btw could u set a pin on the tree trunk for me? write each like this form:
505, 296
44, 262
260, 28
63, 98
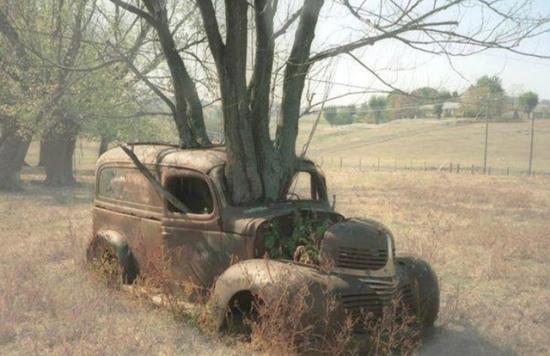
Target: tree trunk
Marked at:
58, 161
189, 115
41, 154
242, 160
103, 145
257, 168
59, 146
12, 157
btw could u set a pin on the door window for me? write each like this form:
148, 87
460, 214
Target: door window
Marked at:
191, 191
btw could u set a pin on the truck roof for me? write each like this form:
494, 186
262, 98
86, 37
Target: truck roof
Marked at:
202, 159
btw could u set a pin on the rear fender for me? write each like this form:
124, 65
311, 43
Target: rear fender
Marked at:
116, 241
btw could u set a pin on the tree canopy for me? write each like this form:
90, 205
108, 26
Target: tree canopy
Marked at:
528, 102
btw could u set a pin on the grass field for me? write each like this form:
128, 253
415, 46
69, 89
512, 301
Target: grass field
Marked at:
436, 143
487, 237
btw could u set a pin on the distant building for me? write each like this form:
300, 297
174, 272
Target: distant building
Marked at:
450, 109
542, 111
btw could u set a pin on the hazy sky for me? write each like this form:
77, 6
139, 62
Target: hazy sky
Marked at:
409, 69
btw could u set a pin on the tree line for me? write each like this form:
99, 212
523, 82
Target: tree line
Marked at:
486, 97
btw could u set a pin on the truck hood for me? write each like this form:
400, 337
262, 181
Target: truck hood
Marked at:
246, 221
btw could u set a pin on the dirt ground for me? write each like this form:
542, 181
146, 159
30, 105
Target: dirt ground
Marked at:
487, 237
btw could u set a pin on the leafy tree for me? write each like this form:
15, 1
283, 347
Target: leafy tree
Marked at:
65, 80
528, 102
363, 112
493, 83
438, 110
378, 105
401, 105
484, 98
331, 115
346, 115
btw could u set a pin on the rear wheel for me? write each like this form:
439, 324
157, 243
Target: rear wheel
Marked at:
117, 267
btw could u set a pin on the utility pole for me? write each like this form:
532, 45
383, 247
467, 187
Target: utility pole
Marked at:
532, 139
486, 136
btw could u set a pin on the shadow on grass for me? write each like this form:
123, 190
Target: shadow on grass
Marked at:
32, 186
461, 339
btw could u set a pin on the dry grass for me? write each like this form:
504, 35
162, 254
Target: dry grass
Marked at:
487, 237
51, 304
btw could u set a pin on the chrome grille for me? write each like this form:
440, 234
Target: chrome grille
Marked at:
365, 259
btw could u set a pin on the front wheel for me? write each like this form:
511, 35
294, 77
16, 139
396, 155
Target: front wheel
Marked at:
423, 288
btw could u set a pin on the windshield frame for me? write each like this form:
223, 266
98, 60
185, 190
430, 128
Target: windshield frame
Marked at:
217, 175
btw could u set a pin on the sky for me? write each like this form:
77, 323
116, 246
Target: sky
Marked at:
407, 69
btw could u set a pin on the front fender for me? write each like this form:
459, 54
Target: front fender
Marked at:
271, 280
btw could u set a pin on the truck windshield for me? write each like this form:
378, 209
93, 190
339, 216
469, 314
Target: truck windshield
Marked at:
304, 186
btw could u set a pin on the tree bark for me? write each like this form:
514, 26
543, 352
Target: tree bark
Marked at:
12, 157
41, 154
260, 91
297, 66
242, 161
103, 145
59, 146
58, 161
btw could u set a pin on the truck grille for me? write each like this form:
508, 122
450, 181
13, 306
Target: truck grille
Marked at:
407, 296
372, 301
356, 258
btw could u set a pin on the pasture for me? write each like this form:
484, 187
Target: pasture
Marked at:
487, 237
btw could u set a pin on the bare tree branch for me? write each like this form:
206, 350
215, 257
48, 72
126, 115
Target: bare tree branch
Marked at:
137, 11
281, 31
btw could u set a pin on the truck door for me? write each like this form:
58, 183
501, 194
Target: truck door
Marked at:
193, 242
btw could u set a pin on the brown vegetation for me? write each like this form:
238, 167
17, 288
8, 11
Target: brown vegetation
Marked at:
486, 237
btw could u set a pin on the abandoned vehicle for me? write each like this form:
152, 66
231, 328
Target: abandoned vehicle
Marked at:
159, 207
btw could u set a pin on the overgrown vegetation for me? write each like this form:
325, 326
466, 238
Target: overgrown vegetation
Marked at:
302, 245
483, 255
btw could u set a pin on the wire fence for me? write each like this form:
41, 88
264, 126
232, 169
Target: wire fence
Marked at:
388, 165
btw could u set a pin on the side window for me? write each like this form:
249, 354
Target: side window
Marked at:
193, 192
301, 187
128, 185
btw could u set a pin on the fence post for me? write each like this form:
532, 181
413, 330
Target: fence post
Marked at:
425, 166
508, 171
489, 170
451, 167
458, 168
472, 169
341, 159
411, 168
